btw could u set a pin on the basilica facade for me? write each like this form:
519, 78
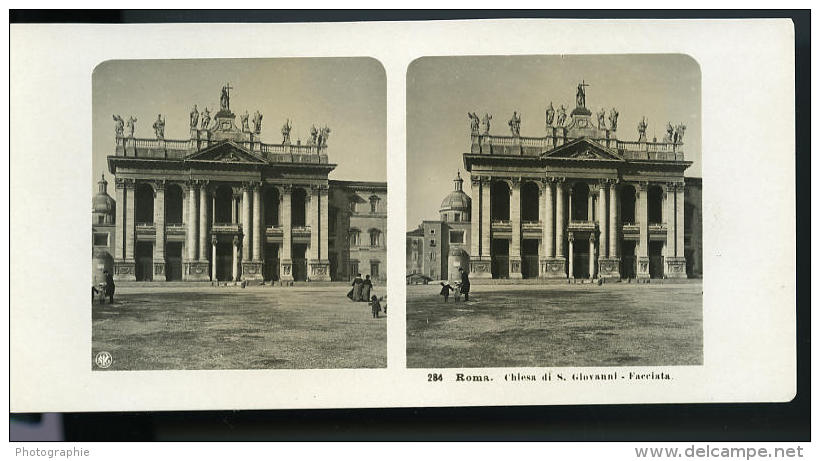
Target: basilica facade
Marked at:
577, 202
222, 205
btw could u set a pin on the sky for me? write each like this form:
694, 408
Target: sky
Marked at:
346, 94
442, 90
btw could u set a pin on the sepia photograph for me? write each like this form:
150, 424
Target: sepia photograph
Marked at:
239, 214
554, 211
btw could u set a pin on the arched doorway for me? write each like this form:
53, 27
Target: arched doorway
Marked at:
530, 193
298, 203
628, 204
500, 201
173, 204
144, 209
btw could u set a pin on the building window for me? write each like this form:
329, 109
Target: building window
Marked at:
432, 256
457, 217
374, 237
374, 204
444, 217
374, 270
101, 239
432, 231
354, 237
456, 236
432, 242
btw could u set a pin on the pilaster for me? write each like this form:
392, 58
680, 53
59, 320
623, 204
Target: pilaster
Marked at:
515, 222
159, 224
643, 244
480, 261
320, 267
285, 271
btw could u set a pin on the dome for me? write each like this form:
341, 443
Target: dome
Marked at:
456, 200
102, 203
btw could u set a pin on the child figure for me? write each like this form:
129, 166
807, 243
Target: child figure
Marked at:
374, 303
445, 290
457, 292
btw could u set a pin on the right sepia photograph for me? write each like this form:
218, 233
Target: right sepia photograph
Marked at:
554, 211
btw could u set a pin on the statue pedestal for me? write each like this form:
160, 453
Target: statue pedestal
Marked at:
124, 270
609, 268
286, 270
319, 270
480, 268
252, 270
675, 268
159, 270
642, 272
195, 271
515, 268
553, 268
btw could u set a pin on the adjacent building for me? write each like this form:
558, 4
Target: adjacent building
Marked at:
224, 206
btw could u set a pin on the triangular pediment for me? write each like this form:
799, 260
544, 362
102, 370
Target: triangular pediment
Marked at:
225, 152
583, 149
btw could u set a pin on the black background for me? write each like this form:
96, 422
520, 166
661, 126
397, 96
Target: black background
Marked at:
692, 422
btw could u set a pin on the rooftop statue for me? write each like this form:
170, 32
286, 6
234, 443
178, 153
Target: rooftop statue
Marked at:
670, 133
206, 119
159, 127
324, 133
581, 95
550, 114
679, 131
486, 123
642, 130
118, 124
243, 119
613, 119
257, 122
286, 131
474, 122
562, 115
602, 119
194, 118
130, 124
314, 135
225, 98
515, 124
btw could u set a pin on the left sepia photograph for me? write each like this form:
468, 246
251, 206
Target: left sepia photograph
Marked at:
239, 214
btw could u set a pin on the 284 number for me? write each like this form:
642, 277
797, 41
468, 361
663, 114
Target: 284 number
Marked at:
434, 377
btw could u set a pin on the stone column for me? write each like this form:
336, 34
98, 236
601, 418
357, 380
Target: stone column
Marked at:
235, 260
613, 220
312, 215
285, 272
591, 255
213, 258
548, 222
191, 240
571, 239
203, 222
234, 206
159, 225
679, 232
213, 207
515, 222
320, 266
559, 218
123, 269
324, 216
486, 221
589, 203
246, 223
257, 224
643, 217
119, 250
569, 204
602, 222
130, 225
669, 220
475, 223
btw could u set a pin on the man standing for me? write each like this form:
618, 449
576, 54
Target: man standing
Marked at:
109, 286
465, 284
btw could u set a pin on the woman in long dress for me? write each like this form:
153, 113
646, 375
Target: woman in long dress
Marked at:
355, 293
366, 287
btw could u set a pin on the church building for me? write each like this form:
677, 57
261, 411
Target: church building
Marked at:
222, 205
577, 202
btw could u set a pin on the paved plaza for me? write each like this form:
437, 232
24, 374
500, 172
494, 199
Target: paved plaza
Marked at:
557, 325
176, 328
